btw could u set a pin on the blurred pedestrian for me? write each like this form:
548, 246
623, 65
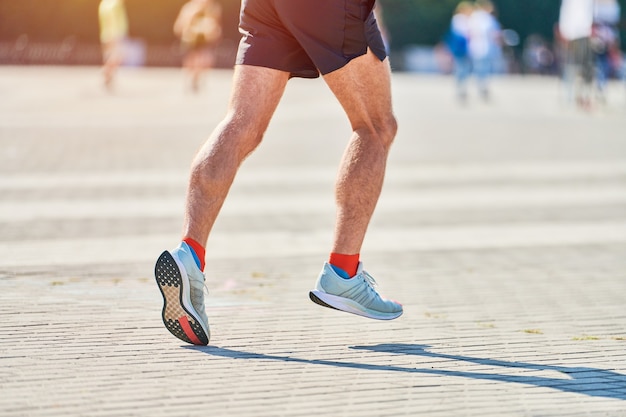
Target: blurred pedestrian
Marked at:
484, 44
282, 39
199, 28
575, 29
113, 33
457, 41
605, 42
537, 55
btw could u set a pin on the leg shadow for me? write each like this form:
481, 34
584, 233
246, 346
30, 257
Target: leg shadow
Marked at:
581, 380
593, 382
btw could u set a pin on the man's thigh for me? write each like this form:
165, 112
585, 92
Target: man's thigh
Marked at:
255, 95
363, 88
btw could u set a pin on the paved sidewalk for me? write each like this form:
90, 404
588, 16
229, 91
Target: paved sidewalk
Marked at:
502, 229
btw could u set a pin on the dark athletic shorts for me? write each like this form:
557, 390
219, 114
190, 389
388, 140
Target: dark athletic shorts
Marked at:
307, 37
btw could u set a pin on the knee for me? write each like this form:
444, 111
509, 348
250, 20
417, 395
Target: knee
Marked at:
385, 130
241, 134
392, 128
231, 142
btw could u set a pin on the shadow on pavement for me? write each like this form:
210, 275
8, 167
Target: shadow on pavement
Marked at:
588, 381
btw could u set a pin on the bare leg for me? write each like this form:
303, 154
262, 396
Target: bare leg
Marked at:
363, 87
190, 68
256, 93
194, 67
112, 60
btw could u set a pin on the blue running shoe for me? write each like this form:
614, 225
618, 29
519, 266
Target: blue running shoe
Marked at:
356, 295
182, 286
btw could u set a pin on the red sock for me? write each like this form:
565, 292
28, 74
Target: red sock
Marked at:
348, 263
198, 249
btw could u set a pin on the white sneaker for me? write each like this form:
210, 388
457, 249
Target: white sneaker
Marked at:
182, 285
356, 295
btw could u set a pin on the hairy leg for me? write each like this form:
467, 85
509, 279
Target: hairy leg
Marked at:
255, 95
363, 88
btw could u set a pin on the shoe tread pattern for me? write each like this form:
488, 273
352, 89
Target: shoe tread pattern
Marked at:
169, 280
317, 300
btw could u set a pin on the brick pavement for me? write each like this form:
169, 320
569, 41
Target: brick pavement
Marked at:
502, 229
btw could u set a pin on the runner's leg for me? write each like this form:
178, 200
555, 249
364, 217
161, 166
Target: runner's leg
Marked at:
254, 98
363, 88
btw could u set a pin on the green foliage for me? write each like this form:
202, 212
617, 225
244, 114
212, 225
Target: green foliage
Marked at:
422, 22
529, 16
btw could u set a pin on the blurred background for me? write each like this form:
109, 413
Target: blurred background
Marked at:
65, 32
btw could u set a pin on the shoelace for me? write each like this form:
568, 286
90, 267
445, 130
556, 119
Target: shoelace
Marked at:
370, 280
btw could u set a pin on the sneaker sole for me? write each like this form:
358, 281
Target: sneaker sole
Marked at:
349, 306
178, 316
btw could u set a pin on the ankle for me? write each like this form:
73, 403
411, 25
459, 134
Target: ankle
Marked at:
348, 264
198, 251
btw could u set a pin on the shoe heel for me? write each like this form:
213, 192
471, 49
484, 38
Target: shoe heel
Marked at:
318, 301
177, 320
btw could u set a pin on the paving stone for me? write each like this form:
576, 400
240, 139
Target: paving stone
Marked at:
501, 228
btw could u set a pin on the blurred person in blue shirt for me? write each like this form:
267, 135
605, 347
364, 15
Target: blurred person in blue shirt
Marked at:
457, 41
484, 44
605, 42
